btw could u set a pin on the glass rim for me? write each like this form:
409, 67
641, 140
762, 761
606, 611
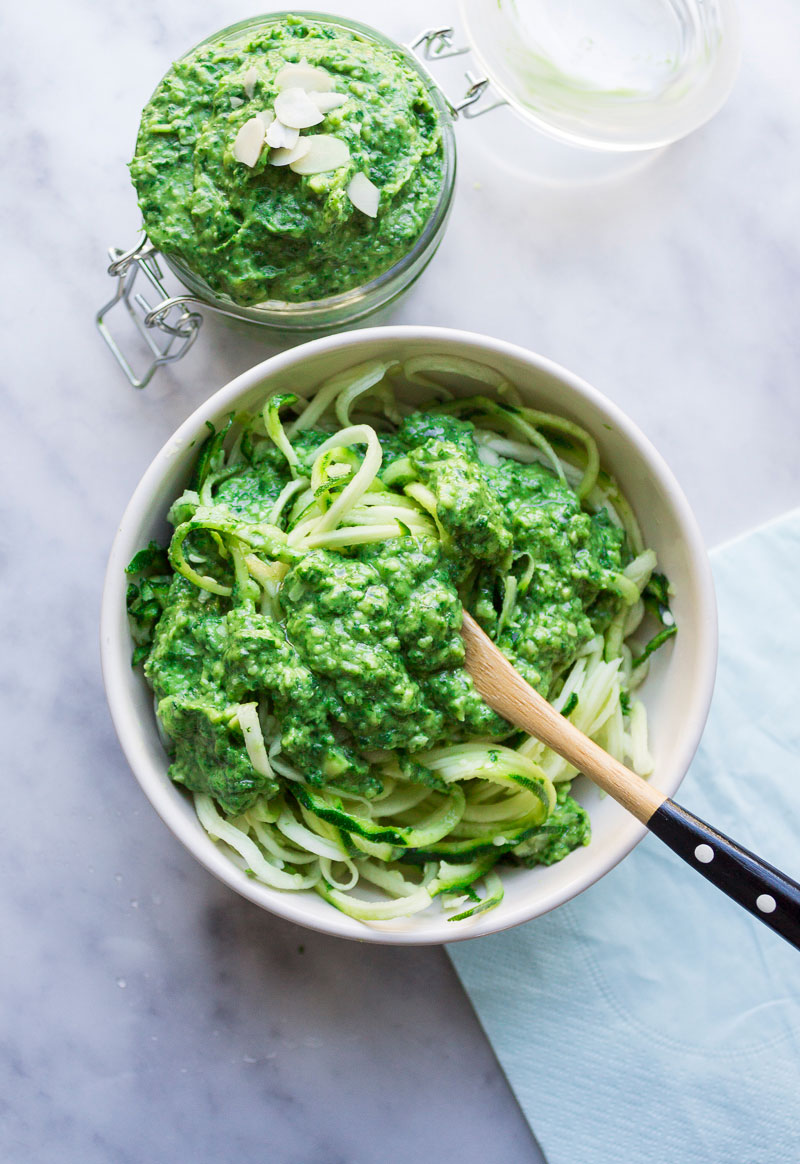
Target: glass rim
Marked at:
695, 100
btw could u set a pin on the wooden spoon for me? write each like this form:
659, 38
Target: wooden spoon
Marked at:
763, 890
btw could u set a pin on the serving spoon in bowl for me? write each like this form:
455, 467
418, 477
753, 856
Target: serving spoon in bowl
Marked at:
761, 889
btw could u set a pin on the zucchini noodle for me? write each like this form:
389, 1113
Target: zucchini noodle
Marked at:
301, 635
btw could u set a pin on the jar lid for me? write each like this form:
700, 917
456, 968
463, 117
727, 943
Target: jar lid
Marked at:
618, 75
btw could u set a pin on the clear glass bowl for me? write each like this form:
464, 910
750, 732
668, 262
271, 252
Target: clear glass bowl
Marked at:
613, 75
321, 314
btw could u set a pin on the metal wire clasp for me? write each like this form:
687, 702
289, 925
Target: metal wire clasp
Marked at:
437, 44
170, 315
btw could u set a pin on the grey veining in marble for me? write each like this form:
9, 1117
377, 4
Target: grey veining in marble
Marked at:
148, 1013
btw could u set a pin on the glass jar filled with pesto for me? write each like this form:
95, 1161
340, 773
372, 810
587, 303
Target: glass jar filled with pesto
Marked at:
294, 171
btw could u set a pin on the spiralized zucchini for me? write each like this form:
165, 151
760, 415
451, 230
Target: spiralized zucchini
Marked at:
434, 823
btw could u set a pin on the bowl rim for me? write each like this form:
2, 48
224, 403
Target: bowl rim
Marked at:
115, 654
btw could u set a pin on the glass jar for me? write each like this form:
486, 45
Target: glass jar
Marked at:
173, 316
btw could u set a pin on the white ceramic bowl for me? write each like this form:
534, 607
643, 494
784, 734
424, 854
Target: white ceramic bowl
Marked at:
677, 691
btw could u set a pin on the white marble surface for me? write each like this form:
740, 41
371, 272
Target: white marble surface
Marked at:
149, 1014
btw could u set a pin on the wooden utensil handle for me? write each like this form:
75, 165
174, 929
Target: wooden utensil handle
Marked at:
504, 689
764, 891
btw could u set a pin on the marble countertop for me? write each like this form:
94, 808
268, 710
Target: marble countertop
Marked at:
149, 1014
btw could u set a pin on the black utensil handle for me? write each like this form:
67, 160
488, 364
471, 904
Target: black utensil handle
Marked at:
764, 891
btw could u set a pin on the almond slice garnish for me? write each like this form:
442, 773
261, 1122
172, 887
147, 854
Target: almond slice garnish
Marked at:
295, 108
325, 153
302, 75
364, 195
325, 102
250, 78
285, 157
280, 136
249, 142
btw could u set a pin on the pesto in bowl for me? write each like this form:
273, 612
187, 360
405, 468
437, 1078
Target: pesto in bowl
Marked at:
301, 634
262, 232
678, 688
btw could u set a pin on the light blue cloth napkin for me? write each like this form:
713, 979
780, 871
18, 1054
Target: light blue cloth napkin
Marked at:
651, 1019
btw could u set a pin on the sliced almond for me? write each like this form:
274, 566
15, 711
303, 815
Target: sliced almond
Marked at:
324, 153
302, 75
236, 102
286, 157
325, 102
295, 108
250, 78
364, 195
266, 117
280, 136
249, 141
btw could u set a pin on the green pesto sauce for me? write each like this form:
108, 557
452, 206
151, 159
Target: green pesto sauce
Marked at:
566, 828
367, 653
267, 233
